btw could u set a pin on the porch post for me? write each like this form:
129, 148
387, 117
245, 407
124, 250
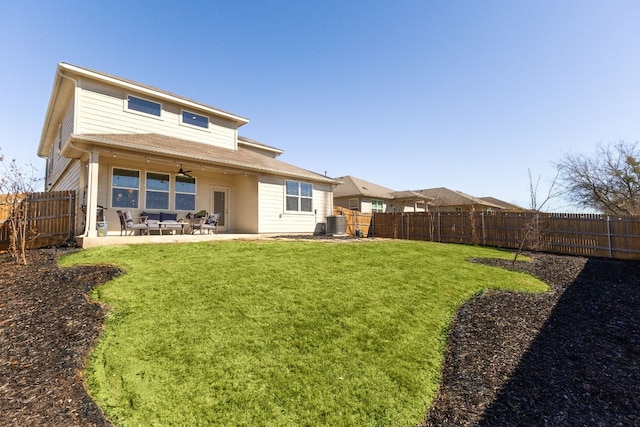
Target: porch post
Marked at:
92, 195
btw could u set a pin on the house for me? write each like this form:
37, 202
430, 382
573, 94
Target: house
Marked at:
123, 145
505, 205
360, 195
446, 200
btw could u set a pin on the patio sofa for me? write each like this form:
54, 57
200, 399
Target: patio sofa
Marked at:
163, 221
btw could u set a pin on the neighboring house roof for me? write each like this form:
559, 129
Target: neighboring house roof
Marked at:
410, 195
505, 205
446, 197
356, 187
181, 150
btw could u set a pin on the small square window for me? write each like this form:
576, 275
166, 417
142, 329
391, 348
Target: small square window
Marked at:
195, 119
299, 196
377, 205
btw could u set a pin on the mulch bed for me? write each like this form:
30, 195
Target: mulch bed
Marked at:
567, 357
47, 328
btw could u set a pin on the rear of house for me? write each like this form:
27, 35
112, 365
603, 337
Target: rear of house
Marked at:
126, 146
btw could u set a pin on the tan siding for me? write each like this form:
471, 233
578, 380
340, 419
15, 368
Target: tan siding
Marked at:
71, 181
244, 209
274, 219
67, 123
322, 201
59, 164
102, 110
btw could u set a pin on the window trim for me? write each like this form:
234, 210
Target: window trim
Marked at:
146, 189
176, 192
111, 187
377, 201
142, 113
299, 211
190, 125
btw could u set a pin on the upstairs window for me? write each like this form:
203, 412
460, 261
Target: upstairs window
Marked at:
125, 188
354, 204
143, 106
185, 193
299, 196
157, 194
194, 119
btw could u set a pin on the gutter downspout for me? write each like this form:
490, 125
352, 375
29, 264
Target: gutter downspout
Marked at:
92, 178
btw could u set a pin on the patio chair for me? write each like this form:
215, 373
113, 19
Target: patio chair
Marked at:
129, 226
210, 223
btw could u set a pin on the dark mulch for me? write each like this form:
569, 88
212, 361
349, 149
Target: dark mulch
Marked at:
47, 327
567, 357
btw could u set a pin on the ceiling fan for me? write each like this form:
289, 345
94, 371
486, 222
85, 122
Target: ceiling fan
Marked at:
182, 172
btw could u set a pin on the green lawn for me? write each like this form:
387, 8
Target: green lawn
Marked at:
280, 333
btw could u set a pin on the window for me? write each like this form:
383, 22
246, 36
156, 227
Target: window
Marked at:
354, 204
143, 106
299, 196
157, 194
125, 188
195, 119
377, 205
185, 193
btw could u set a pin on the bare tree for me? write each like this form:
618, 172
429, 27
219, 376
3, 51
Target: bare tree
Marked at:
532, 231
16, 185
608, 182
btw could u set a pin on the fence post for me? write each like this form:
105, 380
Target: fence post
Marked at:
372, 227
609, 235
439, 236
483, 232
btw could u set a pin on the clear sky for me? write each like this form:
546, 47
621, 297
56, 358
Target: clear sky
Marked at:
468, 95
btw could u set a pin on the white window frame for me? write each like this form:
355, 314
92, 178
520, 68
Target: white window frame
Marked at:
375, 208
142, 113
147, 190
299, 197
112, 187
176, 192
189, 125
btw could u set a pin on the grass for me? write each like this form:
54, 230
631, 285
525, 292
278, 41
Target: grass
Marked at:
276, 333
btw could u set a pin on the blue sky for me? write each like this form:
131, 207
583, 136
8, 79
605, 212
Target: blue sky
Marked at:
468, 95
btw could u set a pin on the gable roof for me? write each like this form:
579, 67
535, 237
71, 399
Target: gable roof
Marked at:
446, 197
505, 205
184, 151
356, 187
352, 186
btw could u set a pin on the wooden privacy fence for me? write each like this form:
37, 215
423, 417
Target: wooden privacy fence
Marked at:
355, 220
563, 233
51, 218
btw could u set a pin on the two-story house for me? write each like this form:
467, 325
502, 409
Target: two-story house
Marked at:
125, 145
